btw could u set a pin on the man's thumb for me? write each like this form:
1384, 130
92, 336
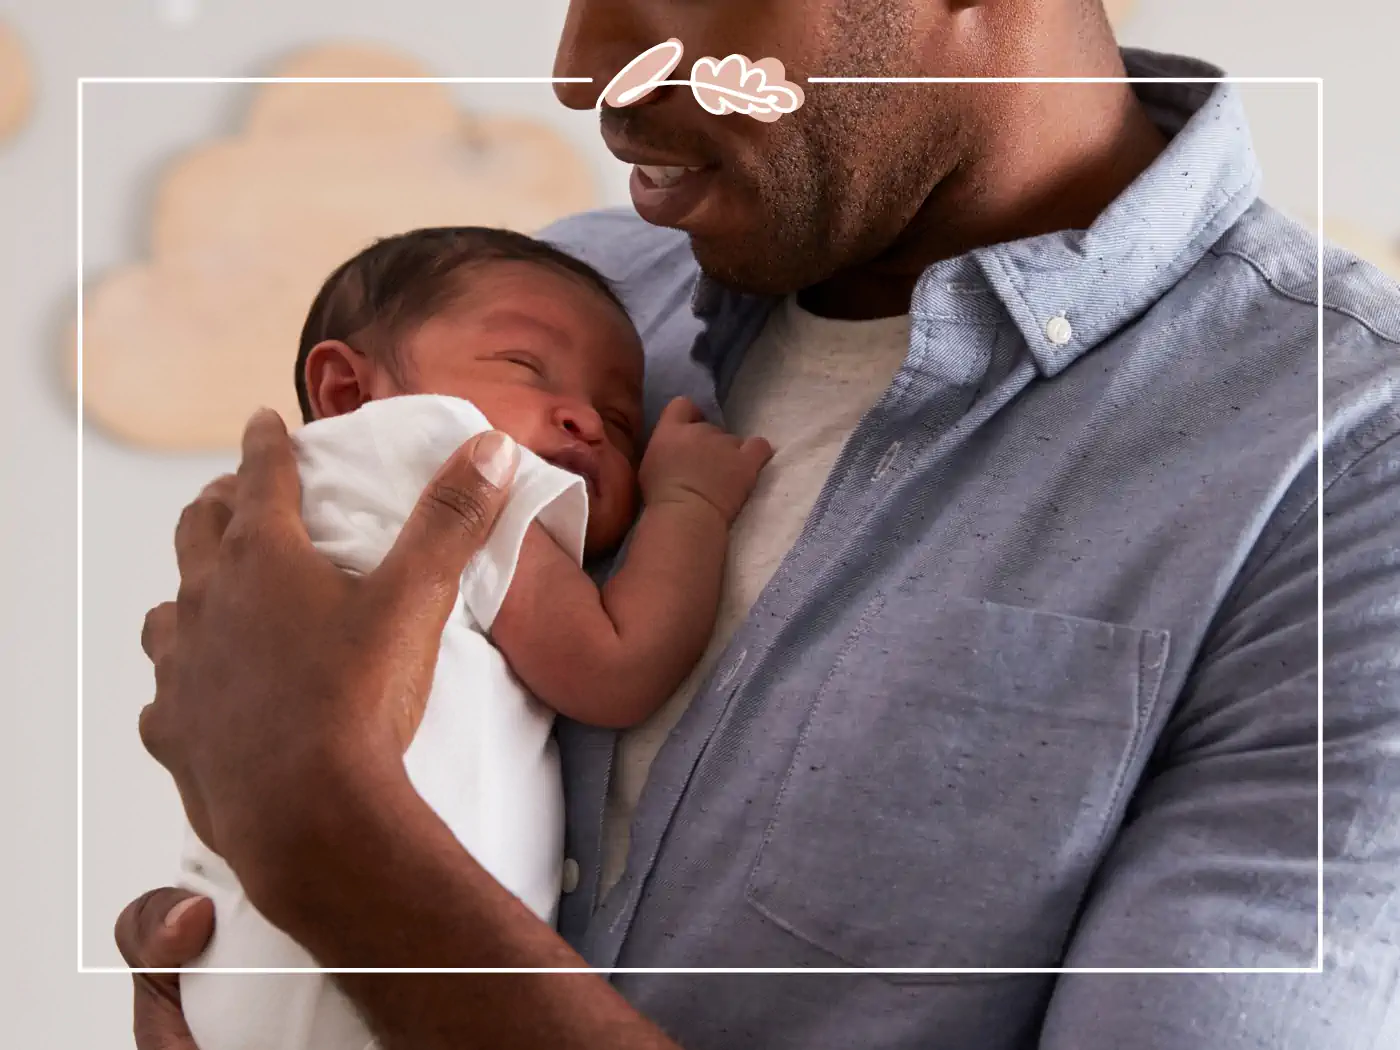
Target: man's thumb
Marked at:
451, 522
165, 928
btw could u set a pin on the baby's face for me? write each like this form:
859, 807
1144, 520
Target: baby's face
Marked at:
554, 364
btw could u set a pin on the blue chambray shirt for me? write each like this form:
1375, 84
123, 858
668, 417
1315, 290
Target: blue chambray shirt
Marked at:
1037, 685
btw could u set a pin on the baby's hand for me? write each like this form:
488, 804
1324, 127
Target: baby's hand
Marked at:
688, 458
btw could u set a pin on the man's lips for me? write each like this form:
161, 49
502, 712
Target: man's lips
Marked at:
630, 153
670, 195
664, 176
581, 460
666, 188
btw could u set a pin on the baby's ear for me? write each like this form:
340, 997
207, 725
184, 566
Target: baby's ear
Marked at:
338, 378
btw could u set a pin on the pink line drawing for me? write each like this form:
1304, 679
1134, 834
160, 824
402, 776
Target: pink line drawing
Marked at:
643, 74
733, 84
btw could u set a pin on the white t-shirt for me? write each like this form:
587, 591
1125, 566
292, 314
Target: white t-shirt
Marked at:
804, 385
483, 757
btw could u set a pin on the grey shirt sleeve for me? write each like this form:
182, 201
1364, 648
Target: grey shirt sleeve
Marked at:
1216, 865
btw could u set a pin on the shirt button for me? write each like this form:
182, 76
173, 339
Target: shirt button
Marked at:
570, 879
1058, 330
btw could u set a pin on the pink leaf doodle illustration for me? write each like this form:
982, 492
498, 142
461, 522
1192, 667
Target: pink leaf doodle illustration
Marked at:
735, 85
643, 75
731, 85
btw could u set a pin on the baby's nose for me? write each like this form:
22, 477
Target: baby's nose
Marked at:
580, 421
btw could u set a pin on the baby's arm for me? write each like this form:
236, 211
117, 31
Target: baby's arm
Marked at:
611, 656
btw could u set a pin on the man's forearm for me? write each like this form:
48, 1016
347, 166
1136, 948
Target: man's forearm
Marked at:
401, 892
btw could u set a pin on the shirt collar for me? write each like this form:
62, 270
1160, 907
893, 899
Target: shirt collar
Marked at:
1101, 278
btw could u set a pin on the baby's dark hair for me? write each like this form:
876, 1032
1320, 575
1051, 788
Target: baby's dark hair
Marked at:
374, 299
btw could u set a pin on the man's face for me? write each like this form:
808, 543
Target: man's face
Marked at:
780, 206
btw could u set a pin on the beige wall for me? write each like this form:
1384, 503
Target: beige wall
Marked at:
131, 500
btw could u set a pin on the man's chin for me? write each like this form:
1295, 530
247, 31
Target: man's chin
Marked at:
749, 269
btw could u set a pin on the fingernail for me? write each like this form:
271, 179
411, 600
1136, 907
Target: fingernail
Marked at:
172, 917
495, 456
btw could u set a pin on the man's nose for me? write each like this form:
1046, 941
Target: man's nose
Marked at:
599, 38
580, 421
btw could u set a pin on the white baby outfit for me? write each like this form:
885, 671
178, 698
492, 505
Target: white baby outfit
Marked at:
483, 757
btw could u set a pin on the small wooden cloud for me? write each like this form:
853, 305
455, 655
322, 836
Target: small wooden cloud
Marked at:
1369, 246
1119, 11
16, 89
1374, 248
178, 351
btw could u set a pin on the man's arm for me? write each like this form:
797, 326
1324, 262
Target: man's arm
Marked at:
610, 656
405, 894
1217, 864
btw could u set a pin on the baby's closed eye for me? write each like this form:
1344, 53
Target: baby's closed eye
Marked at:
623, 425
523, 359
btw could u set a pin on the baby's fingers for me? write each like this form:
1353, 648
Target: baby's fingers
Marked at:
679, 410
756, 452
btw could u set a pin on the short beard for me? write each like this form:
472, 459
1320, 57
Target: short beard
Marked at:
849, 171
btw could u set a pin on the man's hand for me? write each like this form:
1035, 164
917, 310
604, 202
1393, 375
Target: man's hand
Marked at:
689, 458
284, 686
286, 692
162, 929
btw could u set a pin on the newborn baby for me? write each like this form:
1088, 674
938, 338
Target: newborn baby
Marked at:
410, 348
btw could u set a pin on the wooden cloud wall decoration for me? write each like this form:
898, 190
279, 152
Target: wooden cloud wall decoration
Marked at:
1119, 11
1378, 251
16, 87
179, 349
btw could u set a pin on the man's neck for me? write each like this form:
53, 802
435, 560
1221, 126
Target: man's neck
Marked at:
1054, 157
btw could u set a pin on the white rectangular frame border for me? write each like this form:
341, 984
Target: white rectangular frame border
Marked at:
1316, 968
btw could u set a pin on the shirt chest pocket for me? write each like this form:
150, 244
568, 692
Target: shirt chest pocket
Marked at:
954, 783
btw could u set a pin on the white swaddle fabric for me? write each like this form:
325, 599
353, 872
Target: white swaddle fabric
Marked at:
483, 757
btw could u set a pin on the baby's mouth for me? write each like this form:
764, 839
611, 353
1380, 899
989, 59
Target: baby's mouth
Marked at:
580, 460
